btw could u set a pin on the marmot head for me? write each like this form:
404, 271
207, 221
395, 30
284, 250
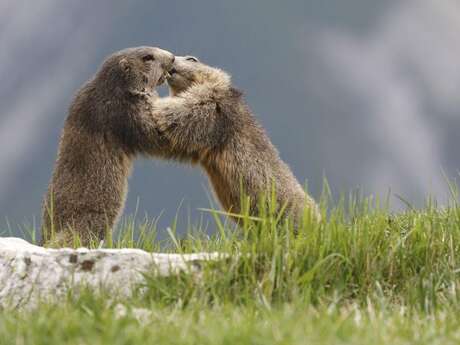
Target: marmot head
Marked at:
188, 71
136, 69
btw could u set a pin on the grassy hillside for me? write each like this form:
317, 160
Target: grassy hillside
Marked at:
363, 276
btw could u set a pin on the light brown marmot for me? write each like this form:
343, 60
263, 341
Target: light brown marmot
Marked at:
107, 127
205, 120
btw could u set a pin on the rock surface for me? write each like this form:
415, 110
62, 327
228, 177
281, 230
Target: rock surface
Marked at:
30, 274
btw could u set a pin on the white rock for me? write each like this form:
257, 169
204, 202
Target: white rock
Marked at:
30, 274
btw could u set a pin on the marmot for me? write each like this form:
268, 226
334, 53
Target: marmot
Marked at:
205, 120
107, 126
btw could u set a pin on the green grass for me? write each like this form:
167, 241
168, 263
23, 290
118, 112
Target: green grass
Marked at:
361, 276
82, 323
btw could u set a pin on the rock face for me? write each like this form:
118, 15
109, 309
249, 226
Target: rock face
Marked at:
30, 274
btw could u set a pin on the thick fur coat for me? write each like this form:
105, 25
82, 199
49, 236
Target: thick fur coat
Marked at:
206, 121
108, 125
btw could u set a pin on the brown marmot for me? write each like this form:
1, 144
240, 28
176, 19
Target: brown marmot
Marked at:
206, 120
107, 126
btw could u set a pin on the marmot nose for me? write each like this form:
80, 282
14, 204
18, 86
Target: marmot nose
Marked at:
171, 60
168, 61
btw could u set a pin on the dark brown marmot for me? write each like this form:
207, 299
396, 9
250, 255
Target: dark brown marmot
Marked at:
107, 127
206, 121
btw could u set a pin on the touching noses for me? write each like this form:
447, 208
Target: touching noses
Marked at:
168, 60
173, 58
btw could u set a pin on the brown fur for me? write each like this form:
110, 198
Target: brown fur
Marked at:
107, 127
206, 121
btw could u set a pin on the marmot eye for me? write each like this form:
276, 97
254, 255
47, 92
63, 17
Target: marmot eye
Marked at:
191, 58
148, 57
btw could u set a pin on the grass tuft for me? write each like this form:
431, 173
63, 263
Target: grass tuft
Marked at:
362, 275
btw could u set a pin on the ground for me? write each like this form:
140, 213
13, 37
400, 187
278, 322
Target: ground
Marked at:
362, 276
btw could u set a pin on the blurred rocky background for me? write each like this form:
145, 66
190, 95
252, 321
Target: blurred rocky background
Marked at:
363, 92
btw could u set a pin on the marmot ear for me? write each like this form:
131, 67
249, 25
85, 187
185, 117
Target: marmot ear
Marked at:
124, 64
